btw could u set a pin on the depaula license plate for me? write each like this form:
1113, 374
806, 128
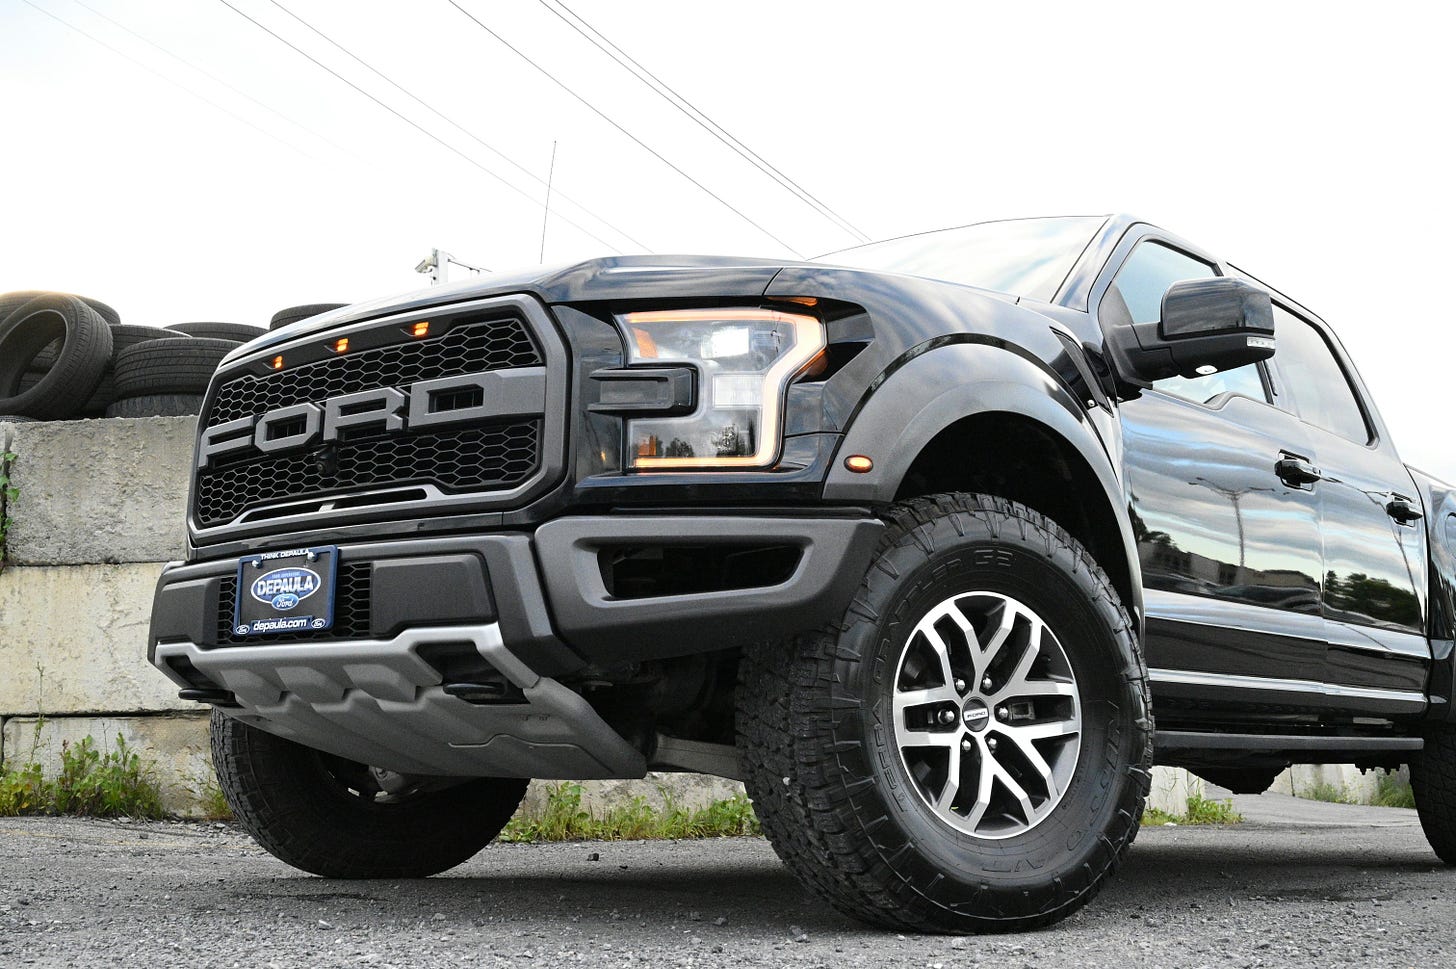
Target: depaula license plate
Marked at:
286, 592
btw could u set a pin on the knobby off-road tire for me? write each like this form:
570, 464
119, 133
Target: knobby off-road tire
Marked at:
1433, 781
325, 816
848, 798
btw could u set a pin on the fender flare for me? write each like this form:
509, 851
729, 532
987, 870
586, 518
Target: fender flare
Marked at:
909, 405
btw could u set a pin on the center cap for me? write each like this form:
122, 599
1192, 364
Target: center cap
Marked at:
975, 715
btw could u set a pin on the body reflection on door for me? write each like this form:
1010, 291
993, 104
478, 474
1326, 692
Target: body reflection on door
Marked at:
1222, 541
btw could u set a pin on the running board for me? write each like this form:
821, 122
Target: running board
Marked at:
1212, 740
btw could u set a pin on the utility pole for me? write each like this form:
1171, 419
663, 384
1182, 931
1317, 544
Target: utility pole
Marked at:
437, 265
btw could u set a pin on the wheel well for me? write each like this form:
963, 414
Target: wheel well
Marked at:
1018, 458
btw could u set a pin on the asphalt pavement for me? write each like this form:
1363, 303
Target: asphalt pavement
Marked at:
1298, 884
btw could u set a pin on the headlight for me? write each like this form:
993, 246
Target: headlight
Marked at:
745, 359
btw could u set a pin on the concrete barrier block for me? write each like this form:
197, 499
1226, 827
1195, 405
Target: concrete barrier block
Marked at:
689, 791
73, 639
1171, 788
100, 490
175, 747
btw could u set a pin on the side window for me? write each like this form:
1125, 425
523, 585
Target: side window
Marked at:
1140, 285
1315, 386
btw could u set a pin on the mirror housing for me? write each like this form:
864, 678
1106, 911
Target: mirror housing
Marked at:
1207, 326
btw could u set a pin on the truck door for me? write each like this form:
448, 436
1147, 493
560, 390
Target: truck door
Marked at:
1374, 577
1230, 550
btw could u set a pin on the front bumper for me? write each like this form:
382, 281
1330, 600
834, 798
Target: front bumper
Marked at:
524, 611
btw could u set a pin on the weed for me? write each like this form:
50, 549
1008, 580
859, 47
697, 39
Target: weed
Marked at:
211, 799
1392, 790
1324, 791
563, 818
113, 783
1198, 810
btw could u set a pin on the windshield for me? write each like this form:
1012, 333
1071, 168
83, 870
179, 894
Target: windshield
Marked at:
1022, 257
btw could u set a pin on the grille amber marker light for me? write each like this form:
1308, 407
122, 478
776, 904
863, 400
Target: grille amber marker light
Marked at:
277, 363
859, 464
421, 328
808, 342
341, 345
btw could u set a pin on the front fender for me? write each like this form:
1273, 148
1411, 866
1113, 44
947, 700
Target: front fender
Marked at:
930, 391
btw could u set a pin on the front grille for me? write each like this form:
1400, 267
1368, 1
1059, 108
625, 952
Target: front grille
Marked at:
351, 609
462, 459
497, 344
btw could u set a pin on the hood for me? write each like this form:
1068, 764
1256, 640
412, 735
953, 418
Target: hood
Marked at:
618, 277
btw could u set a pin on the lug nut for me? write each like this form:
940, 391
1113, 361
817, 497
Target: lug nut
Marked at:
947, 716
986, 684
965, 746
960, 686
990, 743
1002, 713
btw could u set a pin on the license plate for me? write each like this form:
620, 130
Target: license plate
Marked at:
286, 592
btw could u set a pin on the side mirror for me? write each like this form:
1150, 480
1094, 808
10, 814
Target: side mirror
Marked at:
1207, 326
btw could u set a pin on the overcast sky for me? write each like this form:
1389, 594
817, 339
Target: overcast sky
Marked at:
1307, 142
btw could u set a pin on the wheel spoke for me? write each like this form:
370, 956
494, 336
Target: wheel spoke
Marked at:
1045, 731
1038, 763
1017, 792
913, 737
905, 699
941, 650
998, 638
983, 794
952, 780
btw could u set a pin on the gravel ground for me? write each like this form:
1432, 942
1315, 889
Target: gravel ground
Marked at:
1298, 884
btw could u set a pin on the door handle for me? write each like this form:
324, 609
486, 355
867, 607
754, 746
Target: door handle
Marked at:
1297, 471
1403, 511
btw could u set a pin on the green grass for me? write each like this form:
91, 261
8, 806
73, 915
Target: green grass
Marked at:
1323, 791
564, 819
95, 783
1199, 810
1392, 790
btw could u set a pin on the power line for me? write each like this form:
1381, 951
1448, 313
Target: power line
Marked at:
413, 124
213, 77
640, 143
175, 83
665, 91
463, 130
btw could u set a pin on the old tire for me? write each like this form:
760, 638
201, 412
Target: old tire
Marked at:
854, 797
156, 405
325, 815
10, 302
174, 365
82, 358
237, 332
292, 314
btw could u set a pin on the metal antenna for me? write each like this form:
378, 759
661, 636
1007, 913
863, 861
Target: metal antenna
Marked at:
546, 211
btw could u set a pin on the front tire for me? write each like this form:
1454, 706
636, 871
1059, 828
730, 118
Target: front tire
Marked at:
327, 816
969, 749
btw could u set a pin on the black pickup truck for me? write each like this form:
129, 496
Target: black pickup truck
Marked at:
919, 540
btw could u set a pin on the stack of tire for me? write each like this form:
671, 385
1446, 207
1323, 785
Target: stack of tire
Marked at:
64, 356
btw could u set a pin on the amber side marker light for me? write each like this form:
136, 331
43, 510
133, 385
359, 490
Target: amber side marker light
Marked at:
859, 464
277, 363
420, 329
341, 345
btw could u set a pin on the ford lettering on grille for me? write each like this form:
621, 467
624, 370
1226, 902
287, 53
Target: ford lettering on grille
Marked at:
434, 404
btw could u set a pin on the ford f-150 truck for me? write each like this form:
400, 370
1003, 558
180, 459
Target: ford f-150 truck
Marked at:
919, 540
